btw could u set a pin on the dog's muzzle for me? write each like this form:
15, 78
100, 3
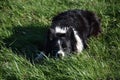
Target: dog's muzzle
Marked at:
60, 54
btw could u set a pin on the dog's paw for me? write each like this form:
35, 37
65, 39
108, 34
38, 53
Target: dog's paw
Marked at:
40, 56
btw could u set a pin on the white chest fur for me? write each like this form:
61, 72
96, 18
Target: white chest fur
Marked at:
79, 44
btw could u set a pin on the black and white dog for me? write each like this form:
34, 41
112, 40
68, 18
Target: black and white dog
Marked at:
69, 32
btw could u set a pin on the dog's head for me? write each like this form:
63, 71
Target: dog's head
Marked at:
58, 40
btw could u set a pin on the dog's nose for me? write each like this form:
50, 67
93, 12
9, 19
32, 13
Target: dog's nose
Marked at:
60, 54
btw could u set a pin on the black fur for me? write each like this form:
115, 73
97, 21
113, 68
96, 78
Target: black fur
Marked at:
86, 23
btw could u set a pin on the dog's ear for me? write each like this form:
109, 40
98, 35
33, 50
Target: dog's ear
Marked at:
49, 37
69, 33
50, 34
70, 36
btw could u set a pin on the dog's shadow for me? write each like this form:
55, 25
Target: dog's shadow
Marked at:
27, 40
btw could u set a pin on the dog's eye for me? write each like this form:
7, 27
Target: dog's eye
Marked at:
64, 45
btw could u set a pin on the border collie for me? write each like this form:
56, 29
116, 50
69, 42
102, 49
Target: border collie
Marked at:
69, 32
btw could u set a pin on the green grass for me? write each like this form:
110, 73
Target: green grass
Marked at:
23, 24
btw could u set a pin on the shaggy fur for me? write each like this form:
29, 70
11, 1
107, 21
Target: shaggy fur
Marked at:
70, 30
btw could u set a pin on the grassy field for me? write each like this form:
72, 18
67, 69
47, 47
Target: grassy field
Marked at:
23, 24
